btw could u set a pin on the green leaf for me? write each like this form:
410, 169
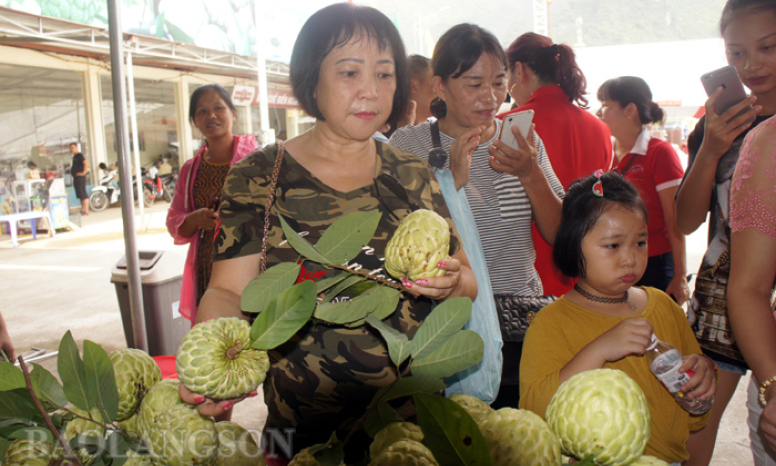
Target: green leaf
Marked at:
331, 453
587, 461
326, 283
264, 288
444, 321
398, 345
116, 449
460, 352
450, 432
101, 379
11, 377
408, 386
341, 286
17, 404
344, 239
41, 434
389, 302
4, 424
344, 312
72, 372
301, 245
380, 417
4, 444
47, 387
284, 317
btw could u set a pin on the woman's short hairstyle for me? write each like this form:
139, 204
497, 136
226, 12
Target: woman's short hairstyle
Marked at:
632, 90
201, 90
334, 26
457, 51
581, 210
734, 7
551, 63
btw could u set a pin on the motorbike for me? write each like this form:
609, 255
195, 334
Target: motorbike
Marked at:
105, 193
168, 186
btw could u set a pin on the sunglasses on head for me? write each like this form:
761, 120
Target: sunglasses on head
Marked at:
392, 184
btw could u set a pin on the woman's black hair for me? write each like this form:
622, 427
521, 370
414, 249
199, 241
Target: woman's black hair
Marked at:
581, 210
201, 90
733, 7
632, 90
457, 51
334, 26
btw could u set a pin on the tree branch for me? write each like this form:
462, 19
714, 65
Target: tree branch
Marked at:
69, 455
366, 274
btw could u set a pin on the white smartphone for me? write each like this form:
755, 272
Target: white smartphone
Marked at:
733, 90
523, 122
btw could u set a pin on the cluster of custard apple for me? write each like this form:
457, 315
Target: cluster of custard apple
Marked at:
150, 409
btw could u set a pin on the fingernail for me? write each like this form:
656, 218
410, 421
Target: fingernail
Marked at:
252, 394
441, 264
406, 283
228, 406
201, 399
421, 282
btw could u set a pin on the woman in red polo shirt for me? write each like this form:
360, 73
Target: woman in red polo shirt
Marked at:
544, 77
652, 166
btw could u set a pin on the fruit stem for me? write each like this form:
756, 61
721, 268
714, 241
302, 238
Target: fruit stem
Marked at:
235, 350
365, 273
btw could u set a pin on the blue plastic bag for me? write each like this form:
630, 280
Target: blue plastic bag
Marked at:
482, 380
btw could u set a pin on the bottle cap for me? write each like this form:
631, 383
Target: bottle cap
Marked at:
653, 342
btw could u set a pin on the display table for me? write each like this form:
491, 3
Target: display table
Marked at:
14, 219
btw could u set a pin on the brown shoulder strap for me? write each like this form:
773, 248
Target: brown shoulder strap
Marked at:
270, 200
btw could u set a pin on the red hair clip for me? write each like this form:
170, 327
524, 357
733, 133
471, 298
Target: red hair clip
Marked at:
598, 187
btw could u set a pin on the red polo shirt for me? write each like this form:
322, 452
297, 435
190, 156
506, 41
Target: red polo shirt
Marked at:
577, 144
655, 167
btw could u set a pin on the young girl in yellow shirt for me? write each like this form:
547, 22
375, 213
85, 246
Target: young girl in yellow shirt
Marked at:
606, 322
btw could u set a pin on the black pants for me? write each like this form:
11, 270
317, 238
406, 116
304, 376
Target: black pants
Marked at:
659, 273
509, 390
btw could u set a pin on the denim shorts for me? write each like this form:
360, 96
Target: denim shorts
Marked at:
730, 367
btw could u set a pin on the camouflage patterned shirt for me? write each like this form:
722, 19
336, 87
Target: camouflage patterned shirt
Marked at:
325, 376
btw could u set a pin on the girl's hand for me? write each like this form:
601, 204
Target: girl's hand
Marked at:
204, 218
768, 418
631, 336
207, 406
438, 288
679, 289
461, 155
721, 130
703, 383
520, 163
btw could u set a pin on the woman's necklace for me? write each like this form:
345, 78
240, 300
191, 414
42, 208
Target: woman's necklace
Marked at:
599, 299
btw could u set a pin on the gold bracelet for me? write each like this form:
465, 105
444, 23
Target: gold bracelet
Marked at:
764, 386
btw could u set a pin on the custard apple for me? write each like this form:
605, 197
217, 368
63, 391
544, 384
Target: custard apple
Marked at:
417, 246
22, 452
215, 359
476, 408
601, 412
83, 429
647, 460
518, 436
405, 453
392, 433
136, 459
136, 372
161, 397
180, 436
305, 458
130, 426
236, 446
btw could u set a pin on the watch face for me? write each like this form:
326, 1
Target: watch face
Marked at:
437, 157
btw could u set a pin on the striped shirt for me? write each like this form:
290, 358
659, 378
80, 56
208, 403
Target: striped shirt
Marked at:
500, 207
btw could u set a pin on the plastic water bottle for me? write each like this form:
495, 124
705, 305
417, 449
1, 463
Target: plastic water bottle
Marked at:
664, 361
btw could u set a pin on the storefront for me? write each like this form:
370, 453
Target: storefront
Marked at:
57, 90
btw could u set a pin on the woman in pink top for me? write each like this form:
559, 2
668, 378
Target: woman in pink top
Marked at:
193, 216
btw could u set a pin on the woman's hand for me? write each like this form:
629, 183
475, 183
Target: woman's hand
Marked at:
721, 130
631, 336
521, 163
768, 417
207, 406
438, 288
703, 383
204, 218
461, 155
679, 289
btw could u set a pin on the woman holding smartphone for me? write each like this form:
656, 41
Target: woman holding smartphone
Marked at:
748, 28
505, 188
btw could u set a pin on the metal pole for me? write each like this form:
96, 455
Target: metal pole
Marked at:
261, 40
135, 138
122, 148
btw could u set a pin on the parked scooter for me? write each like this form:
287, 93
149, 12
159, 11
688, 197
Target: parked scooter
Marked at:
105, 193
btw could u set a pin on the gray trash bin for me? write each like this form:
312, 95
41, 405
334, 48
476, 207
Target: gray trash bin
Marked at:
161, 274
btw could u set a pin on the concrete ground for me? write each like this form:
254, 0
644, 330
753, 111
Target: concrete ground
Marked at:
51, 285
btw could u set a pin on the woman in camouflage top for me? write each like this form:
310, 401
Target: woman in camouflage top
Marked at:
348, 70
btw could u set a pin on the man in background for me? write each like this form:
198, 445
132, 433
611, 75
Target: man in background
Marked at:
78, 169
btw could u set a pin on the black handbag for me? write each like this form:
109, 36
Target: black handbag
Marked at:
515, 313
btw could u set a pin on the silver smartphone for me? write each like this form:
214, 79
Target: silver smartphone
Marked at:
523, 122
733, 89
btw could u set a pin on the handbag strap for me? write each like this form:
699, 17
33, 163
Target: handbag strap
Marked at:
622, 171
270, 200
436, 156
